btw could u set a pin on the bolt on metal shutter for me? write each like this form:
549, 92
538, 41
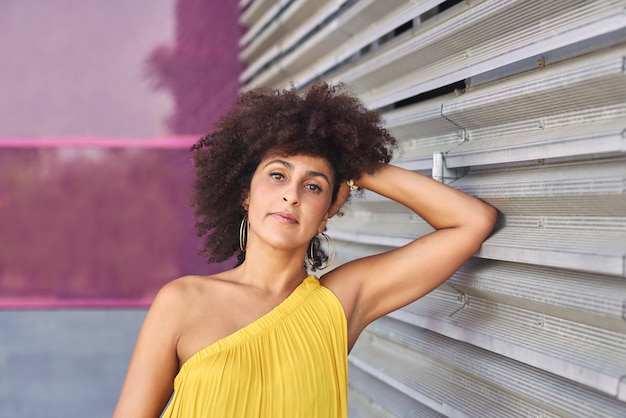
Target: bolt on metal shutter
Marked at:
522, 104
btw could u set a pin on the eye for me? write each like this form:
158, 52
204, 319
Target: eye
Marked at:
314, 187
276, 175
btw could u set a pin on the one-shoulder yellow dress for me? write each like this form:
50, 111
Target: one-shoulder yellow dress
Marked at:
291, 362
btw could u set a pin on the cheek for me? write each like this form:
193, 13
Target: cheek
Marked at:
322, 206
257, 190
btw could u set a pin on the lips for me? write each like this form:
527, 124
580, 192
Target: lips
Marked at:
285, 217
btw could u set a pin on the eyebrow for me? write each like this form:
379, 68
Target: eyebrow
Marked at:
310, 173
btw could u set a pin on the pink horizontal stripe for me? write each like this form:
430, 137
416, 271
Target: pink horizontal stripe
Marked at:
175, 142
6, 304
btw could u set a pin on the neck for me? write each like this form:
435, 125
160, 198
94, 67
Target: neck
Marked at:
273, 270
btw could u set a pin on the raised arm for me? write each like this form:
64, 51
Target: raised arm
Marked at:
154, 363
374, 286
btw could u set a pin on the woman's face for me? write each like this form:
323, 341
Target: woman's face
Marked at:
289, 200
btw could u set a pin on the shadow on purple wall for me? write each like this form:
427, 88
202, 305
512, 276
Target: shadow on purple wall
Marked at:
95, 223
201, 71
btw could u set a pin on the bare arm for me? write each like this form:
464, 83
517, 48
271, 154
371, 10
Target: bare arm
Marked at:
374, 286
154, 363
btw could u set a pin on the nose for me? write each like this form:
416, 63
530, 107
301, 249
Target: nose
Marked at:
291, 195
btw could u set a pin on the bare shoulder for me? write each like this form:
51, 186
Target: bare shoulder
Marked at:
202, 310
184, 291
177, 292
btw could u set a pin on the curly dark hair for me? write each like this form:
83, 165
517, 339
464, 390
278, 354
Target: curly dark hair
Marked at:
324, 121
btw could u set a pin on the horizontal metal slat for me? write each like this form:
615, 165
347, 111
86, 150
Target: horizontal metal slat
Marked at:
344, 38
564, 397
575, 108
340, 39
287, 18
579, 119
484, 37
423, 131
562, 215
347, 251
438, 385
285, 44
591, 356
371, 393
575, 250
361, 407
254, 11
370, 234
588, 298
268, 11
421, 120
335, 34
589, 178
386, 229
597, 80
528, 141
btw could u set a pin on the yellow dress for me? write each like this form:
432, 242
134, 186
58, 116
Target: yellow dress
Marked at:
291, 362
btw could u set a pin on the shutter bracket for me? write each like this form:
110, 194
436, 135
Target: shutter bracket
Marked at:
444, 174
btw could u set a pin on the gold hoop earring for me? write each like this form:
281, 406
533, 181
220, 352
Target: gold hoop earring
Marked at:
331, 252
244, 230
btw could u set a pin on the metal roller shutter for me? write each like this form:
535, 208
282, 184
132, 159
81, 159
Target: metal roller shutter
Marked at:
520, 103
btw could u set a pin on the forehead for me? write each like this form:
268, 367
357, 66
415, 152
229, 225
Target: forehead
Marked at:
298, 161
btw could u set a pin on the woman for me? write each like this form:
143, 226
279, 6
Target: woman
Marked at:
266, 338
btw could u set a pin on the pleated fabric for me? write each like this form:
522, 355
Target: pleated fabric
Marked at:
292, 362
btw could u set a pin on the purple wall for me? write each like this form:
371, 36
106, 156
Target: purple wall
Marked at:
72, 67
95, 223
76, 68
106, 223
